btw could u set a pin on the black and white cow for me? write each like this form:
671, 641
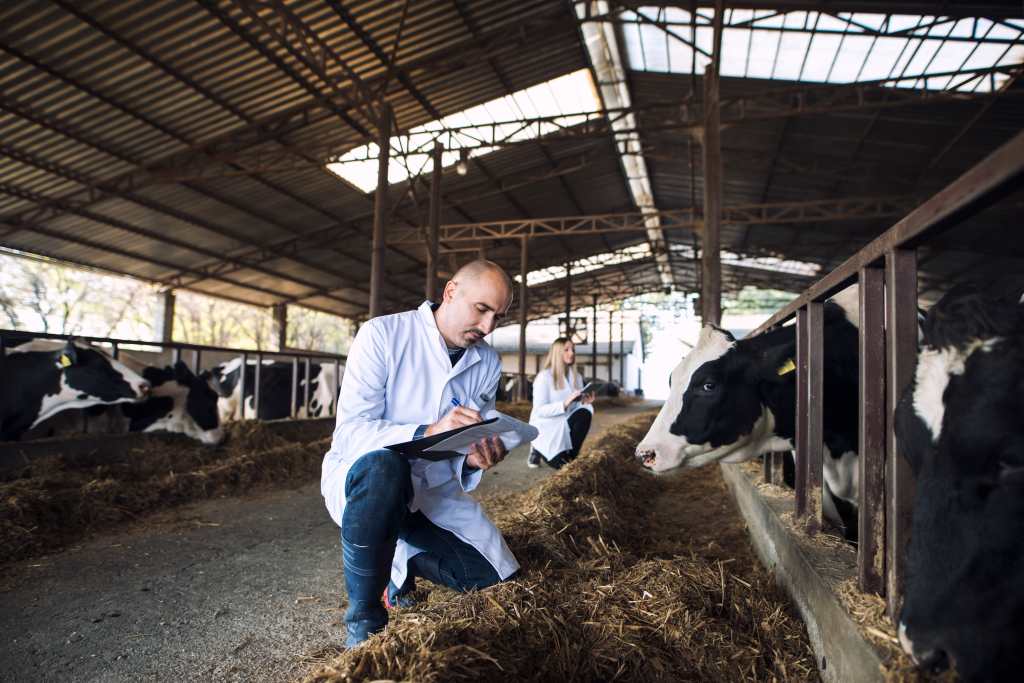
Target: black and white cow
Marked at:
961, 427
178, 402
275, 390
730, 401
41, 378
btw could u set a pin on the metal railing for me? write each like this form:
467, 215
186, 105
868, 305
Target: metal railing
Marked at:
197, 351
886, 271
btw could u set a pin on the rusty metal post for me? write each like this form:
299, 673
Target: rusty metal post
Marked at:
815, 413
568, 300
295, 387
305, 400
241, 386
523, 292
611, 357
766, 468
901, 353
622, 351
871, 438
801, 412
435, 224
593, 339
380, 212
257, 375
711, 258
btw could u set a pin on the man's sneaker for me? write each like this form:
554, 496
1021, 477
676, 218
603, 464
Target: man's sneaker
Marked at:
534, 459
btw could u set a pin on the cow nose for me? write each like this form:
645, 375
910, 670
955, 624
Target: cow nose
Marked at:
645, 456
934, 661
144, 388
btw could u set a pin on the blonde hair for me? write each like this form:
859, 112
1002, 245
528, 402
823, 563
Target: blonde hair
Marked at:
556, 363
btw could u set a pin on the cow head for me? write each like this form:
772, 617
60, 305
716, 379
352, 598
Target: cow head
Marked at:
181, 403
959, 426
94, 373
714, 410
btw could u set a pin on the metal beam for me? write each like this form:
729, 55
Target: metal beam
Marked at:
957, 8
852, 208
380, 209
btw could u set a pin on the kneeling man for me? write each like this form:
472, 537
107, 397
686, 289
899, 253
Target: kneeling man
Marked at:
409, 375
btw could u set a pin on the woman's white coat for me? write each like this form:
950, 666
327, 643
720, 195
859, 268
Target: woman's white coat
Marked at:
549, 415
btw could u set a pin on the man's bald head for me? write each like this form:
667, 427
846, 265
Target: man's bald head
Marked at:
482, 268
473, 302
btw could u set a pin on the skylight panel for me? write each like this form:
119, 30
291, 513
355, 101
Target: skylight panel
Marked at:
637, 252
571, 98
818, 47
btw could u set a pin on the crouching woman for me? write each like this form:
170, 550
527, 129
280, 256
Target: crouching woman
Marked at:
561, 411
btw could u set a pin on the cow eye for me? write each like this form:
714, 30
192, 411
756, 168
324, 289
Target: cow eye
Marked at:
708, 386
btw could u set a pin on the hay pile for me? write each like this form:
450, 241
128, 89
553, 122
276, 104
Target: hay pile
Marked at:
54, 503
612, 588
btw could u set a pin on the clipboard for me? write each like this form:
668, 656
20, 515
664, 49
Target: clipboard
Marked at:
456, 442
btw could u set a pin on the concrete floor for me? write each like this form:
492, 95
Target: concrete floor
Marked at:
233, 589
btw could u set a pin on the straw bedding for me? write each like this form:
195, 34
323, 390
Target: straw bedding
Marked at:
54, 503
625, 577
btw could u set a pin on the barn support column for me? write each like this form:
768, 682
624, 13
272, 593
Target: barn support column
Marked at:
523, 291
622, 350
568, 300
593, 339
711, 263
281, 325
611, 357
435, 224
380, 210
165, 316
901, 350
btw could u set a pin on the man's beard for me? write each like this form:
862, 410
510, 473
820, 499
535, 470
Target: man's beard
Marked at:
472, 331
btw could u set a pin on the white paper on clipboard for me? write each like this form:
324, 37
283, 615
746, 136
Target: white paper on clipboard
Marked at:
512, 432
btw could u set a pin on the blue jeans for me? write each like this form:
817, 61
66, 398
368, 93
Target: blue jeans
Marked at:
378, 489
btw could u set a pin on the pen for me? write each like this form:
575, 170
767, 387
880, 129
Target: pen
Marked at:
455, 402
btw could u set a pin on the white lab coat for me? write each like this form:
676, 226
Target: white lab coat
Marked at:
398, 376
548, 414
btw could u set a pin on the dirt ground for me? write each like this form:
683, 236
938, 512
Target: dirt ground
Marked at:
244, 589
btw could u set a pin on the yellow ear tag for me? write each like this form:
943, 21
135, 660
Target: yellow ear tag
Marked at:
786, 368
64, 360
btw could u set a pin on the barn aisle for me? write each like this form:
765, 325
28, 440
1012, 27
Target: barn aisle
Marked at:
230, 589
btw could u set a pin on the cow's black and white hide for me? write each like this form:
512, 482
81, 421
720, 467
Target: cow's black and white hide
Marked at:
41, 378
961, 427
731, 401
179, 402
275, 390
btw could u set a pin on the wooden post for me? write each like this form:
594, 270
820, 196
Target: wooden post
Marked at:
871, 439
281, 325
593, 339
435, 224
165, 316
711, 259
380, 210
901, 353
523, 266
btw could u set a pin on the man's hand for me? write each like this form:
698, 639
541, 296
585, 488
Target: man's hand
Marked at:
458, 417
486, 453
587, 399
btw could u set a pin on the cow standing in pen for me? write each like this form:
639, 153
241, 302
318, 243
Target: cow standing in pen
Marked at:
275, 390
731, 401
960, 425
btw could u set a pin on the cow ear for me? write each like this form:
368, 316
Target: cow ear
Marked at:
182, 373
777, 364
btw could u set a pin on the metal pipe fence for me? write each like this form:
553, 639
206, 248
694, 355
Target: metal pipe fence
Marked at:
886, 272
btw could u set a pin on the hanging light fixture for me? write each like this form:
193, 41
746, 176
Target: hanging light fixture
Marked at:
462, 168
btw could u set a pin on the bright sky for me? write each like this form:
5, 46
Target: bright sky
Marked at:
566, 95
